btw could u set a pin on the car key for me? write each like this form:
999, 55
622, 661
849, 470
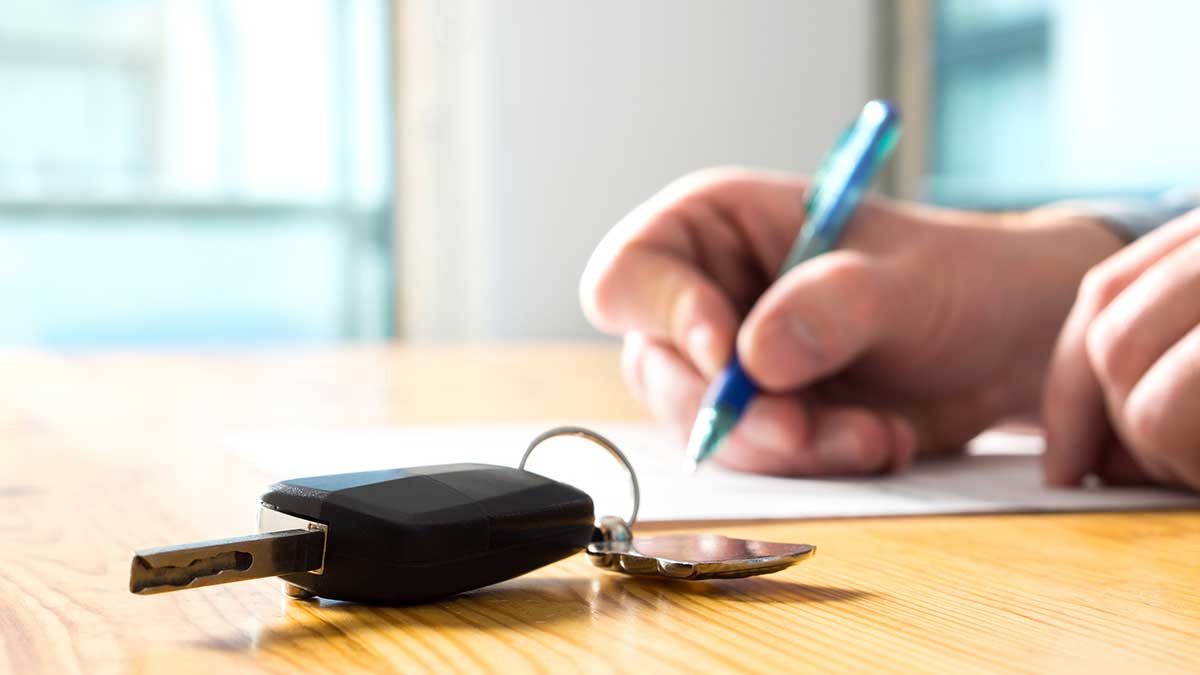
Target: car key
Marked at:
403, 536
389, 537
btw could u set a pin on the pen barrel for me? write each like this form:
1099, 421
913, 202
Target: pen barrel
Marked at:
841, 181
733, 388
818, 242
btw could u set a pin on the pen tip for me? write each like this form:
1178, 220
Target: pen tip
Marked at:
707, 434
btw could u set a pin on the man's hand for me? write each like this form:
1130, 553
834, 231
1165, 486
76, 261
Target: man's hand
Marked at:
924, 328
1123, 396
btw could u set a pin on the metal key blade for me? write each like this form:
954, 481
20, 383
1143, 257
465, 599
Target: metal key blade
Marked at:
221, 561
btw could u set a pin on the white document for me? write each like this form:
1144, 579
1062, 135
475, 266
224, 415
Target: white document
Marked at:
1000, 473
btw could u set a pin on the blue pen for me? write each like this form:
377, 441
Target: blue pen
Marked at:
837, 189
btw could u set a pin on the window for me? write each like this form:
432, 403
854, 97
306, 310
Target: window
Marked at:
194, 172
1036, 100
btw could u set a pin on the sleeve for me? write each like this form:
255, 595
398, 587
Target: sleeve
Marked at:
1133, 218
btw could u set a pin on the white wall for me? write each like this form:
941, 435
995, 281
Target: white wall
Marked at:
528, 127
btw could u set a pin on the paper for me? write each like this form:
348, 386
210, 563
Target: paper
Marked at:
1001, 473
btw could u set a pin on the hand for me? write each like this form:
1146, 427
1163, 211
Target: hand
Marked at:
924, 328
1123, 396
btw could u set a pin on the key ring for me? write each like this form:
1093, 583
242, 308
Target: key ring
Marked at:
602, 442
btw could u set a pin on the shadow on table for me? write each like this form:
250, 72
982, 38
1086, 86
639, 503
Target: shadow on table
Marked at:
522, 603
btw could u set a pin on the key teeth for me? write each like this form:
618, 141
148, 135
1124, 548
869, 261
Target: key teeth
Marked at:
182, 576
219, 561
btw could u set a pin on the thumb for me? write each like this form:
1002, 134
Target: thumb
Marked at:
815, 320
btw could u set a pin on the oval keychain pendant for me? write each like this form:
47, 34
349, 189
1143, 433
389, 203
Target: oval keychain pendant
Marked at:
690, 557
694, 557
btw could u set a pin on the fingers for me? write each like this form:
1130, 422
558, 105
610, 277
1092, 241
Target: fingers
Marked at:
780, 434
1149, 316
814, 321
685, 266
669, 300
663, 381
1074, 402
677, 274
1160, 420
769, 437
840, 440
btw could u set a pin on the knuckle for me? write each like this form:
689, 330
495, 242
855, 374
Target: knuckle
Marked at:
1100, 286
1110, 345
682, 304
1146, 428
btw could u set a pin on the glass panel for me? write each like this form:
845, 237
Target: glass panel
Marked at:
968, 15
194, 171
1043, 99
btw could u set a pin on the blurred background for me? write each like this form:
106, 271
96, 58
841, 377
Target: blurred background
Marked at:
232, 172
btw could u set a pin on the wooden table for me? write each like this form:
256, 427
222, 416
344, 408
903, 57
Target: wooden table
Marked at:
106, 453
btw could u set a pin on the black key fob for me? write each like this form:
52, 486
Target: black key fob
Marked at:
404, 536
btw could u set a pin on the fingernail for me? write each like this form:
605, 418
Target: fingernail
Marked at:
700, 347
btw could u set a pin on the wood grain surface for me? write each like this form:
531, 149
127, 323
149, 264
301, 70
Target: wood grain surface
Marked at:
103, 454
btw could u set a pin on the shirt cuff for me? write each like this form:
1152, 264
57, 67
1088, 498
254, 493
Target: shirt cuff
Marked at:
1133, 218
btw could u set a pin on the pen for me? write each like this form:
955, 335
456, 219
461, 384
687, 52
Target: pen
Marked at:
837, 189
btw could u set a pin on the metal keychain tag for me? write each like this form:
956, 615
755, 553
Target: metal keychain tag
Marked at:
691, 557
